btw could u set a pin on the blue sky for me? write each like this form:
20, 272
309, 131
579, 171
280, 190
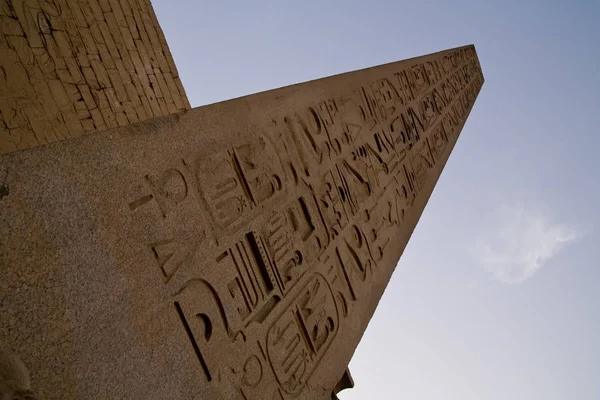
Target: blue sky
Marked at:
498, 293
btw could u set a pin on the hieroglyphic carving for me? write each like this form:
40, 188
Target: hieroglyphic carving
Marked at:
204, 320
304, 218
236, 181
295, 236
299, 338
251, 279
167, 190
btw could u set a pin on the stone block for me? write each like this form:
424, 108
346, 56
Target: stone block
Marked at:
105, 6
109, 117
87, 96
21, 47
100, 73
117, 9
88, 125
117, 84
96, 10
10, 26
133, 29
130, 112
58, 92
98, 119
90, 77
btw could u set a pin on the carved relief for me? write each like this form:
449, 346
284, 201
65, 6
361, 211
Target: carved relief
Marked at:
356, 259
299, 338
386, 97
382, 156
432, 70
169, 189
170, 254
418, 80
295, 237
328, 112
428, 111
204, 320
307, 132
437, 142
381, 224
340, 285
166, 191
332, 198
405, 90
421, 161
235, 182
439, 101
251, 279
252, 371
352, 120
404, 198
259, 170
306, 215
354, 173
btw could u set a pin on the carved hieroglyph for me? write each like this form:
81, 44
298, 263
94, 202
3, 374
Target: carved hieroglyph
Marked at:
235, 251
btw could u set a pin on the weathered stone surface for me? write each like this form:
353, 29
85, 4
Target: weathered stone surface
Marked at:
54, 54
234, 251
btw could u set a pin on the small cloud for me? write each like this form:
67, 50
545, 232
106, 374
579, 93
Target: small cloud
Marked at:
520, 241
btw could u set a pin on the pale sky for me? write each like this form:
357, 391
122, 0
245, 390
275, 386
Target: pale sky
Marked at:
498, 293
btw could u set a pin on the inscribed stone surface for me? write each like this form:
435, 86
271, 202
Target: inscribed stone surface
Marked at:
234, 251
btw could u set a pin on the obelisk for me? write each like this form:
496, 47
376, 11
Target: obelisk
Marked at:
234, 251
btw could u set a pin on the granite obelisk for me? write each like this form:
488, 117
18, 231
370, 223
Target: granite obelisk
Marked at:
234, 251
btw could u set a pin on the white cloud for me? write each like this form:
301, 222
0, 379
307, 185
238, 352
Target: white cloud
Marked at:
519, 242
